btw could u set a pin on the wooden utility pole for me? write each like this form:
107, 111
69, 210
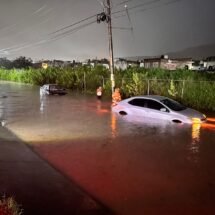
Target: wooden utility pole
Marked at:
110, 45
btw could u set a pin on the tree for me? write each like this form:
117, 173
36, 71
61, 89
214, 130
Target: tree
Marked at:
22, 63
5, 63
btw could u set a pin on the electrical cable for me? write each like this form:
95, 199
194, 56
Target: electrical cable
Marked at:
143, 10
54, 38
69, 32
69, 26
136, 6
124, 2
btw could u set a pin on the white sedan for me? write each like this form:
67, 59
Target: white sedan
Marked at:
158, 107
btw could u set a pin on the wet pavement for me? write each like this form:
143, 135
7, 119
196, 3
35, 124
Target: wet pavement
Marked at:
134, 166
36, 186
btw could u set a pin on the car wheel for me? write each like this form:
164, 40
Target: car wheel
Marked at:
123, 113
176, 121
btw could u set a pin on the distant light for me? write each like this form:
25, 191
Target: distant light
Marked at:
44, 65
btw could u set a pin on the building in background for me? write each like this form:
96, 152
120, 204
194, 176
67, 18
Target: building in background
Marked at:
123, 63
210, 63
164, 62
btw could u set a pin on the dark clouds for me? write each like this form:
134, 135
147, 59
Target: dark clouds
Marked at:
157, 28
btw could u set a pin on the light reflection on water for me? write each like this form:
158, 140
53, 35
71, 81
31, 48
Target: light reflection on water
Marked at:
196, 132
195, 143
133, 165
113, 125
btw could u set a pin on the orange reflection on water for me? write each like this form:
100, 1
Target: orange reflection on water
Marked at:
113, 125
101, 110
196, 132
208, 126
211, 119
195, 144
196, 127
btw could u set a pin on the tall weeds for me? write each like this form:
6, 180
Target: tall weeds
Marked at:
191, 88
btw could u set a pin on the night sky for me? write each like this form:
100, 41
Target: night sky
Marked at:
27, 28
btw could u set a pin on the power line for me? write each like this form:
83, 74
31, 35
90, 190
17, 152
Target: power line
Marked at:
124, 2
159, 6
136, 6
90, 17
145, 9
58, 36
69, 32
51, 39
123, 28
69, 26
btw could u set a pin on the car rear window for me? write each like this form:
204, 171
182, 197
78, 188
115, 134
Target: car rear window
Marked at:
138, 102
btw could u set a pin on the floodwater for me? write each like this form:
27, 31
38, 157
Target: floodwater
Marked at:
133, 166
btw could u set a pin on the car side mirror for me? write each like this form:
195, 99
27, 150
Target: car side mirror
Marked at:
163, 109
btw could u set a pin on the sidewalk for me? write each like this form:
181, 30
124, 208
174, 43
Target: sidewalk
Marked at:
38, 187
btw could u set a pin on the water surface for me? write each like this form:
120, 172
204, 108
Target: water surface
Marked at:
134, 166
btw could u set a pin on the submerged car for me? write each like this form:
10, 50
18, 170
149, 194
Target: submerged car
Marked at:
158, 107
52, 89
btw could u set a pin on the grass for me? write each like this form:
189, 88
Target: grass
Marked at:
196, 89
8, 206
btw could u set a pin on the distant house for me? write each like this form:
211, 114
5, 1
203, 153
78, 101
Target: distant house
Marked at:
42, 64
94, 62
196, 65
52, 63
179, 63
120, 63
59, 63
210, 63
104, 62
123, 64
75, 63
164, 62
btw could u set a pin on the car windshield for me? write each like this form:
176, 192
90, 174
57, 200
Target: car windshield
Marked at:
173, 105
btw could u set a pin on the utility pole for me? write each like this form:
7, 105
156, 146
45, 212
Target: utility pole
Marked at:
110, 45
102, 17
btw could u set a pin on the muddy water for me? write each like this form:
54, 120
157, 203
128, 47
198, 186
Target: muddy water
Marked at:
134, 166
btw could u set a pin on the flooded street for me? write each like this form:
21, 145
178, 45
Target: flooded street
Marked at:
133, 166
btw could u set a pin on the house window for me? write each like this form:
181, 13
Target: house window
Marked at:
155, 64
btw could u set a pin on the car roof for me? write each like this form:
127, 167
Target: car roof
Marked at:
50, 84
154, 97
